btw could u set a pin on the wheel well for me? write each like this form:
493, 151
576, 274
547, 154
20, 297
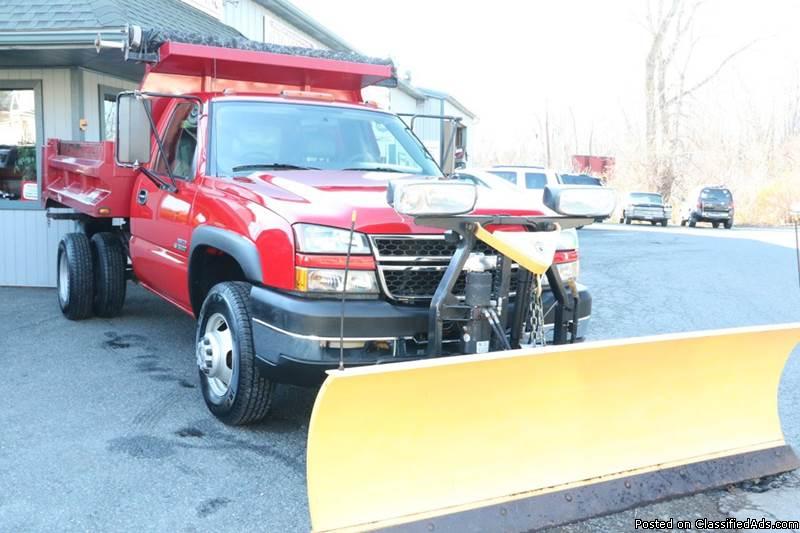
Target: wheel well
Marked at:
209, 266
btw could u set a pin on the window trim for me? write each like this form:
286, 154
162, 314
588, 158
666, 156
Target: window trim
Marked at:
36, 85
102, 92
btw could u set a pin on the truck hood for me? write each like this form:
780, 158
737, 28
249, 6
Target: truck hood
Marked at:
330, 197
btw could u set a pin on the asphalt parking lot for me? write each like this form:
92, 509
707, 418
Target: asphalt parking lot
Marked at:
104, 427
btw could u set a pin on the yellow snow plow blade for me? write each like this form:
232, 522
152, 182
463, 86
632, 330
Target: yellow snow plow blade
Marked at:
518, 440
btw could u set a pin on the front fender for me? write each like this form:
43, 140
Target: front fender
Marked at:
237, 246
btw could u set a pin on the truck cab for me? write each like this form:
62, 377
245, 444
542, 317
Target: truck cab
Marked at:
257, 203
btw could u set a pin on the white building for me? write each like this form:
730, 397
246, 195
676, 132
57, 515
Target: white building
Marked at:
53, 84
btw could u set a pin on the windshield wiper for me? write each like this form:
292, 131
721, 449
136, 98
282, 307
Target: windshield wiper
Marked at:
377, 169
274, 166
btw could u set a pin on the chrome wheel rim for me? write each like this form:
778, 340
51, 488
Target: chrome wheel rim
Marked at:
63, 278
215, 354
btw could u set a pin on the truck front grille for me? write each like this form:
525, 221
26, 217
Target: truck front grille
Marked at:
419, 248
410, 267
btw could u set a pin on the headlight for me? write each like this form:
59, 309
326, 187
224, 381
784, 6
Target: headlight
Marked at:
326, 240
431, 197
331, 281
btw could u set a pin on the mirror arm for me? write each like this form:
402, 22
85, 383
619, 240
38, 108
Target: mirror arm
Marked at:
161, 184
173, 188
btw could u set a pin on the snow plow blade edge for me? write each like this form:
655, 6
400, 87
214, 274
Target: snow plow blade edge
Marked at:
526, 439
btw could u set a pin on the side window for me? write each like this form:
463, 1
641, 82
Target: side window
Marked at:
180, 142
506, 175
535, 180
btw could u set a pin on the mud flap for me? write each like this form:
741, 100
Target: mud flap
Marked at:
525, 439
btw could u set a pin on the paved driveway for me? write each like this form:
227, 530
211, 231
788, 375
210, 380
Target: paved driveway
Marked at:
104, 427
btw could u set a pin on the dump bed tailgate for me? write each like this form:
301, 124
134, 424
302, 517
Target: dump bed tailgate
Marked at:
83, 175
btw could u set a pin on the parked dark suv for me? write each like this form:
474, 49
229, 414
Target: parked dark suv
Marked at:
709, 204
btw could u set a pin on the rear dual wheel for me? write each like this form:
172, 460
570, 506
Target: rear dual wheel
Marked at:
75, 276
91, 275
109, 261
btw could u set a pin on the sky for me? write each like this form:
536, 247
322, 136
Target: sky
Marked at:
509, 61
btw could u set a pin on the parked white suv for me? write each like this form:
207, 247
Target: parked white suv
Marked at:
526, 177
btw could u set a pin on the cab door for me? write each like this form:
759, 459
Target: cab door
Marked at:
161, 219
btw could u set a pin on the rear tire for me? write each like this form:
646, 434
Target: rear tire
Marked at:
109, 261
683, 223
75, 279
692, 222
233, 388
664, 223
627, 220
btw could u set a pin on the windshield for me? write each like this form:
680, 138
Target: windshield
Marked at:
486, 179
510, 177
716, 195
251, 134
645, 198
580, 179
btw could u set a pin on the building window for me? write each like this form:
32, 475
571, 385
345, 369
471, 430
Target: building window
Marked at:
108, 112
20, 137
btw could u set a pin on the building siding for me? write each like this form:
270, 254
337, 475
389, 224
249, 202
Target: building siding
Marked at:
91, 99
28, 245
260, 24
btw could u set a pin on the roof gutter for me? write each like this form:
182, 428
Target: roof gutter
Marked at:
62, 39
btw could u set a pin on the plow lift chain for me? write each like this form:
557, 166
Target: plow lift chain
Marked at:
536, 314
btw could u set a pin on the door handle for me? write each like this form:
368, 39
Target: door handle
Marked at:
141, 197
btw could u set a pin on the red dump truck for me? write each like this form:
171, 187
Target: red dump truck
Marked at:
229, 192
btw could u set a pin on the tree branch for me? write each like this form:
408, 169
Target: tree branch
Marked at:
711, 76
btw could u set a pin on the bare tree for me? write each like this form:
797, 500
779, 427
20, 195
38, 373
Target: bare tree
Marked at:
670, 24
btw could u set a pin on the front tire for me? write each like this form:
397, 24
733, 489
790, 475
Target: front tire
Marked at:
75, 278
109, 260
232, 386
729, 223
692, 222
664, 223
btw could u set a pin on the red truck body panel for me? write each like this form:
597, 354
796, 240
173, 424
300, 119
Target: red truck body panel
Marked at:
193, 68
83, 176
593, 164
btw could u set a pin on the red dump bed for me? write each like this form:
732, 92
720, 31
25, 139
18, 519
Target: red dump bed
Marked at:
83, 175
194, 68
